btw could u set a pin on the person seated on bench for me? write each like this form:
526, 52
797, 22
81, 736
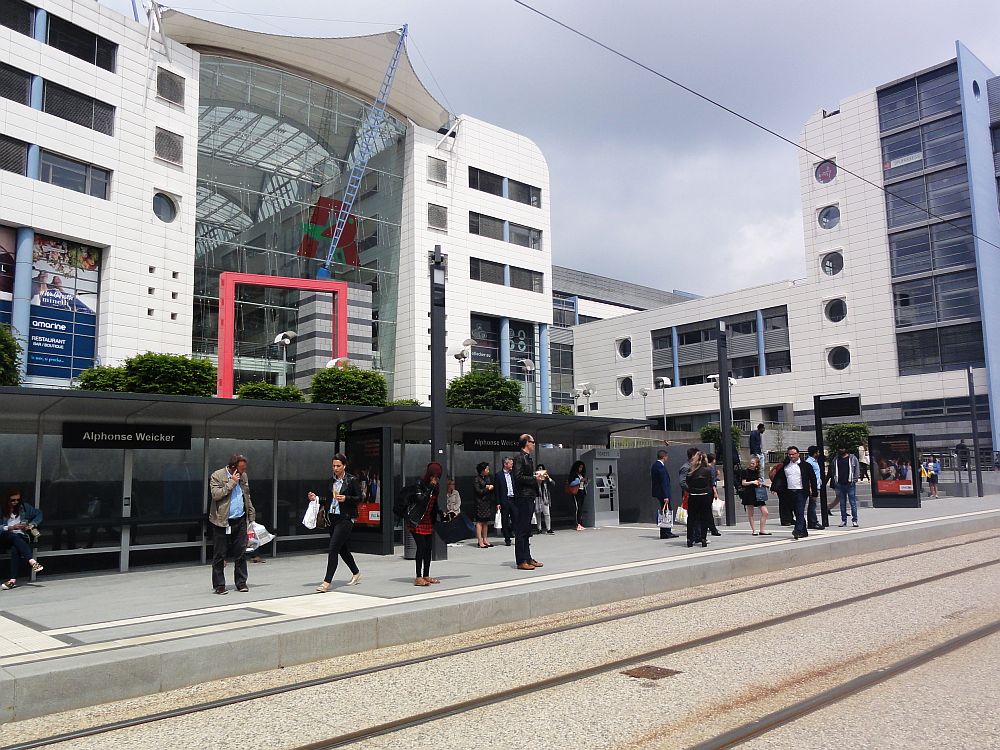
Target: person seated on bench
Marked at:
18, 523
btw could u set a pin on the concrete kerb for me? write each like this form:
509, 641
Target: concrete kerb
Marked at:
46, 687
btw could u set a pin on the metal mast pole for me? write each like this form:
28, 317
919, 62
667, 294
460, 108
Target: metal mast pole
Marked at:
726, 420
975, 434
439, 383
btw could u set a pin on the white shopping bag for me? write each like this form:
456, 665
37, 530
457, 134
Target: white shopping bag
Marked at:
717, 507
498, 520
681, 516
261, 534
312, 513
664, 518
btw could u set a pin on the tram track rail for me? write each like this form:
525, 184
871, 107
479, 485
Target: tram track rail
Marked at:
509, 694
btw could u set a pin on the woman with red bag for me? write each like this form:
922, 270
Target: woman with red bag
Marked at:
423, 530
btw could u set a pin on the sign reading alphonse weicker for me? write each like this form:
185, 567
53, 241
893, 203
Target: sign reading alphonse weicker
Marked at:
133, 436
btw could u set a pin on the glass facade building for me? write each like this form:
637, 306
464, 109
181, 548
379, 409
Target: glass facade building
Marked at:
274, 154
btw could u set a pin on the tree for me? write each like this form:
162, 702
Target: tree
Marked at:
712, 433
109, 379
484, 389
565, 409
847, 435
10, 357
270, 392
349, 385
169, 374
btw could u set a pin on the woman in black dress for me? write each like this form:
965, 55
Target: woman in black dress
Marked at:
482, 489
750, 480
699, 482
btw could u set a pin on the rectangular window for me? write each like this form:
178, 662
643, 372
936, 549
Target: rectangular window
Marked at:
910, 252
17, 16
920, 148
169, 146
485, 181
368, 186
368, 233
484, 270
744, 367
170, 86
522, 278
522, 193
81, 43
897, 106
437, 170
587, 319
15, 84
918, 352
953, 244
486, 333
938, 92
79, 108
937, 349
936, 247
948, 192
695, 374
525, 236
778, 362
905, 202
437, 216
563, 318
996, 139
775, 321
743, 327
913, 302
485, 226
74, 175
662, 339
13, 155
938, 194
957, 295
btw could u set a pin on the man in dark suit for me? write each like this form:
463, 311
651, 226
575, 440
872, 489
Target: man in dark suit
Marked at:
795, 482
660, 488
525, 495
504, 490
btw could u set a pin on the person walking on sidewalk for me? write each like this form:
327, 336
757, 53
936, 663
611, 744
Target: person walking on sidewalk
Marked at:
423, 530
795, 483
844, 474
576, 485
757, 447
659, 479
710, 458
813, 459
526, 481
341, 510
229, 513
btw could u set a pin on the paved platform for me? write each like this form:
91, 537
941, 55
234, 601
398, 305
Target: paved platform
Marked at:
73, 641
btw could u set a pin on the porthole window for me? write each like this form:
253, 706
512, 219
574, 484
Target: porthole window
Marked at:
625, 386
836, 310
625, 348
839, 357
829, 217
164, 207
826, 171
832, 263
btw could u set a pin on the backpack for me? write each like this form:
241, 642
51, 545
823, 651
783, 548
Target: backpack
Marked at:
410, 503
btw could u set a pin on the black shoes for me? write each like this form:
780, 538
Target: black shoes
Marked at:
507, 542
690, 543
716, 532
242, 589
550, 532
221, 590
671, 535
815, 527
704, 542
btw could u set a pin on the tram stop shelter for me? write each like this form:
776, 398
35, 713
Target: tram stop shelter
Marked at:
122, 479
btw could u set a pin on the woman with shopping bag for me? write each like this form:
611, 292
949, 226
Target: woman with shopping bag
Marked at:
337, 516
423, 530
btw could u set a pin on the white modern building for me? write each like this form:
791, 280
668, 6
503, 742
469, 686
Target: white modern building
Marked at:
139, 165
902, 230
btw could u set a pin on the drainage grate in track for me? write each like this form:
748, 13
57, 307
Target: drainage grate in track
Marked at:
649, 672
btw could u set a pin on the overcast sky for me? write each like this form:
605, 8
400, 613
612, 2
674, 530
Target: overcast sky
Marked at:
648, 183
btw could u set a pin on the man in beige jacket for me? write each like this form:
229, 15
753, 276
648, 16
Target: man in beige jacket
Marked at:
229, 512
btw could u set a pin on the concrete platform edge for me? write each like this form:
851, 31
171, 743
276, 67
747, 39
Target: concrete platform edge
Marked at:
38, 689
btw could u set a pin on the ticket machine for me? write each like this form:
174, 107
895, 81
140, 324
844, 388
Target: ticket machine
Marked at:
602, 470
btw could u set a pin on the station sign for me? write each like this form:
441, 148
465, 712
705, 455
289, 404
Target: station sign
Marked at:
108, 436
489, 441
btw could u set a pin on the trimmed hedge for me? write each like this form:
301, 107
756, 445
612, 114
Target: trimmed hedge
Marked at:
270, 392
349, 385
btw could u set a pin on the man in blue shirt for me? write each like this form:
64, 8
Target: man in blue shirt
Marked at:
229, 513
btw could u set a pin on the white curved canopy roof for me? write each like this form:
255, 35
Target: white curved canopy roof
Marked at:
356, 64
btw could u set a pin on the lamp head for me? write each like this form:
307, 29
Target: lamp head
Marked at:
663, 382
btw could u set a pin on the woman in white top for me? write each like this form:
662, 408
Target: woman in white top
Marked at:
17, 527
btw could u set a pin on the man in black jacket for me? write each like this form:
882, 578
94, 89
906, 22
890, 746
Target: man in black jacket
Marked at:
505, 491
525, 493
795, 483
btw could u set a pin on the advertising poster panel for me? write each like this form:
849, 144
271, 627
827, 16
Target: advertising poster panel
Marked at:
364, 454
894, 470
65, 277
8, 252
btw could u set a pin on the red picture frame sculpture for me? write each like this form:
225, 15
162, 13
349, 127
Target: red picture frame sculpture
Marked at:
229, 280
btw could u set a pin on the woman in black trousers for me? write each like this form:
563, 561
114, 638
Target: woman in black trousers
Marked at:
341, 510
699, 482
423, 530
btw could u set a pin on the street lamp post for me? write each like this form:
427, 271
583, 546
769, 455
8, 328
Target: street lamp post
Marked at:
726, 418
643, 392
283, 340
529, 369
663, 384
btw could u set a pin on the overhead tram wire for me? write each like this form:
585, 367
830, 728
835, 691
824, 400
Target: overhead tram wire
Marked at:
750, 121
